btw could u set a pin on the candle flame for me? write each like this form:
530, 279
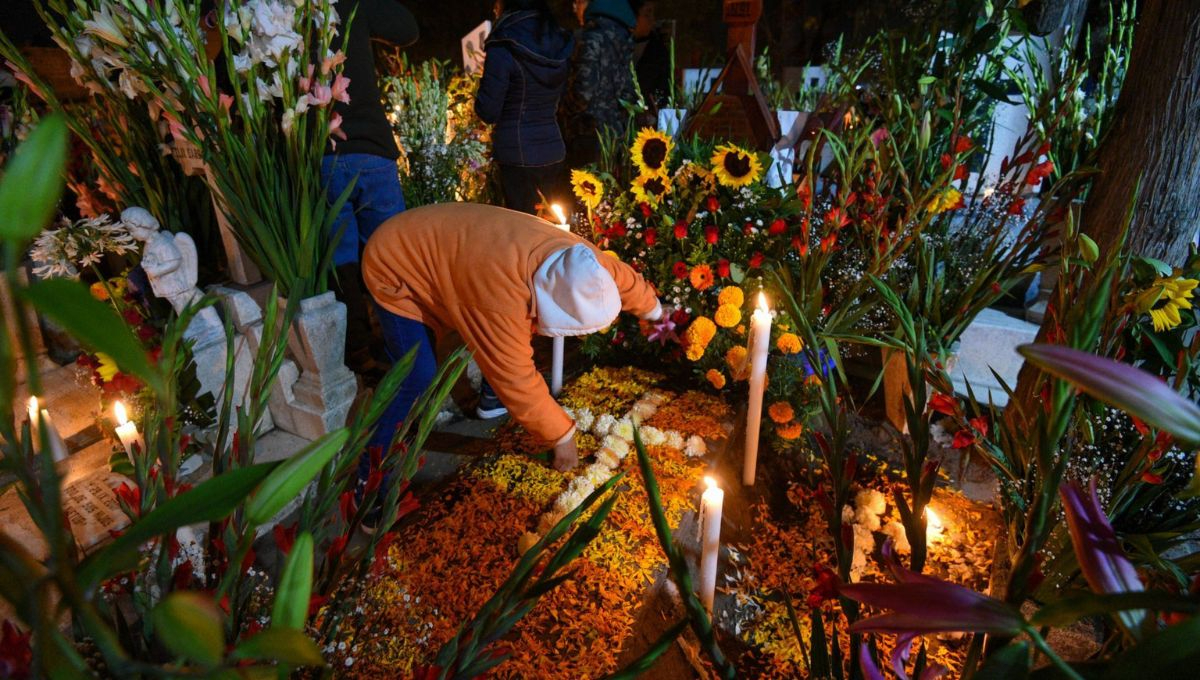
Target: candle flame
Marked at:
119, 411
33, 405
933, 524
710, 482
762, 302
558, 212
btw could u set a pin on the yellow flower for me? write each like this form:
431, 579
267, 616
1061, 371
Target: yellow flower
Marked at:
98, 291
1163, 300
781, 412
107, 368
735, 167
695, 351
735, 358
700, 332
789, 343
650, 188
715, 378
728, 316
813, 380
731, 295
947, 200
652, 152
789, 431
701, 277
587, 188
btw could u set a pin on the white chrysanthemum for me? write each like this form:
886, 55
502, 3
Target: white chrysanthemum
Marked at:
584, 420
608, 459
653, 436
865, 518
872, 500
696, 446
642, 411
598, 473
656, 397
581, 486
623, 429
603, 424
568, 501
675, 440
848, 514
618, 446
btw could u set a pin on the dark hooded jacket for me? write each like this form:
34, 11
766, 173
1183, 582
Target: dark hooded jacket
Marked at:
524, 73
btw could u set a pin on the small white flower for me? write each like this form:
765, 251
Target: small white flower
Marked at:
696, 446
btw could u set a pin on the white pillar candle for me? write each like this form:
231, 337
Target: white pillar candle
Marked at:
40, 418
710, 540
559, 345
760, 344
127, 431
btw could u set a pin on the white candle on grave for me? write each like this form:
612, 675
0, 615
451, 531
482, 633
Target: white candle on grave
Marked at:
760, 343
556, 356
39, 418
710, 540
127, 431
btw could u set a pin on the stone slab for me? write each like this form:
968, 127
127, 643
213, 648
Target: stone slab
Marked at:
990, 343
72, 400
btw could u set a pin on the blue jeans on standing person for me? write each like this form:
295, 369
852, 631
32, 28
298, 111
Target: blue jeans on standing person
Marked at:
401, 335
375, 197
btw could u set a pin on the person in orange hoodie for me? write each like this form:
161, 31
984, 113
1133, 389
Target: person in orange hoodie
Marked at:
495, 277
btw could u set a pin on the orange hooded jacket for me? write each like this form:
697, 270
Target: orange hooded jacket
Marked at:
469, 268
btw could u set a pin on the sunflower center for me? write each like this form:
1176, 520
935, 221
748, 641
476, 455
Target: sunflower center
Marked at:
588, 188
654, 186
736, 164
654, 152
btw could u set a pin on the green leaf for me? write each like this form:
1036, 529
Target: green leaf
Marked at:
997, 91
190, 626
1172, 653
1010, 662
1071, 609
209, 501
284, 645
289, 479
94, 324
295, 586
33, 181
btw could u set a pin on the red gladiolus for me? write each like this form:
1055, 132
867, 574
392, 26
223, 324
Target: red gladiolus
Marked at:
710, 234
944, 404
1152, 477
756, 260
963, 438
131, 316
804, 193
336, 547
285, 538
374, 480
723, 268
680, 270
681, 230
132, 495
712, 204
347, 505
1017, 207
645, 208
996, 288
651, 237
16, 652
825, 588
182, 577
962, 143
1140, 426
407, 505
315, 602
980, 424
1039, 172
777, 227
618, 230
837, 218
828, 243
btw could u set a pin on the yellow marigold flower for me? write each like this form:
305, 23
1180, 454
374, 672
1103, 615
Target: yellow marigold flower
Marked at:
587, 187
735, 167
651, 152
651, 188
1163, 300
789, 431
728, 316
946, 200
781, 412
735, 358
701, 277
731, 295
695, 351
715, 378
700, 332
107, 368
789, 343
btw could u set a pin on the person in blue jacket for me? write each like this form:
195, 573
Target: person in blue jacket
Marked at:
525, 69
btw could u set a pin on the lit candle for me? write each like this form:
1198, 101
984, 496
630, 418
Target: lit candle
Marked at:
710, 540
933, 525
556, 357
127, 431
40, 418
760, 342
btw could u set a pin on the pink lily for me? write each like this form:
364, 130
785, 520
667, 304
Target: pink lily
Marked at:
1100, 556
664, 331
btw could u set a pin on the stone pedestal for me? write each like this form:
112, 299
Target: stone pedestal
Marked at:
325, 389
41, 359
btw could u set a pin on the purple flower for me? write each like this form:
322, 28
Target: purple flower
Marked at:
899, 657
664, 331
1100, 556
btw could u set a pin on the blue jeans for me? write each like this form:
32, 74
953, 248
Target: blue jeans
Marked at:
375, 197
400, 335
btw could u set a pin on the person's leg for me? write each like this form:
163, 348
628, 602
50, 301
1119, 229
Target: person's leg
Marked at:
379, 191
520, 193
401, 335
336, 175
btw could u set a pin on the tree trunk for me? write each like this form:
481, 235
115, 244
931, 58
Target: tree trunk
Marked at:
1155, 136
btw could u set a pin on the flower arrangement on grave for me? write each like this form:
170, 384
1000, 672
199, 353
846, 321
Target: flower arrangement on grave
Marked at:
444, 151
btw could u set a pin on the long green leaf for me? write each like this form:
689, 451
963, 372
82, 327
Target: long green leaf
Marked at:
284, 645
288, 480
1172, 653
33, 181
295, 586
190, 625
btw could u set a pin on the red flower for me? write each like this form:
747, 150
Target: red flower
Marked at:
962, 143
1017, 206
1039, 172
828, 243
16, 652
427, 673
748, 229
680, 270
681, 230
980, 424
645, 208
756, 260
963, 438
336, 548
132, 495
618, 230
944, 404
723, 268
777, 227
710, 234
315, 602
132, 316
347, 506
825, 587
182, 577
712, 204
837, 218
409, 504
651, 237
1151, 477
285, 538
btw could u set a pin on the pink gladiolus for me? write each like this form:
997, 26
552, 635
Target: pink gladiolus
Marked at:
329, 64
307, 79
202, 81
320, 95
226, 101
335, 126
341, 89
1101, 558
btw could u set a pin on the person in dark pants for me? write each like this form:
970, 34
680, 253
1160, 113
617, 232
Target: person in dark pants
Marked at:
651, 56
365, 156
524, 73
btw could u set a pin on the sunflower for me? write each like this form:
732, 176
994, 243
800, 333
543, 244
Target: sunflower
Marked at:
1163, 300
728, 316
735, 167
652, 152
781, 412
106, 366
731, 295
949, 199
715, 378
587, 188
650, 188
701, 277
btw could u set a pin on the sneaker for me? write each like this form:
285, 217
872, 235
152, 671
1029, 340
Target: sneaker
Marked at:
490, 406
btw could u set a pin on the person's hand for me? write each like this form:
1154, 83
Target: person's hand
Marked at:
566, 456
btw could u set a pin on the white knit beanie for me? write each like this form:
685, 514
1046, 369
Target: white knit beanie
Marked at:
574, 294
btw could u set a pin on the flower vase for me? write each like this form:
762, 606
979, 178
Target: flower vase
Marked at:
322, 394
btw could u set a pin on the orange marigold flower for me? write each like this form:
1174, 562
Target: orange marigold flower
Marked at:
789, 343
715, 378
789, 431
781, 412
700, 332
731, 295
735, 358
701, 277
695, 351
728, 316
